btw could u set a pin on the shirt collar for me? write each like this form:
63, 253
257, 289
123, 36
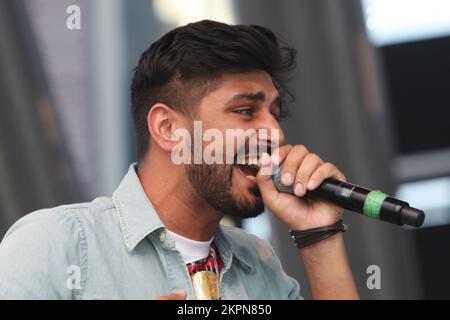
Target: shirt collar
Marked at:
138, 218
229, 247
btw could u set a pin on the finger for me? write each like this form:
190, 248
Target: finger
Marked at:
177, 295
268, 191
310, 163
264, 177
326, 170
276, 158
292, 163
279, 154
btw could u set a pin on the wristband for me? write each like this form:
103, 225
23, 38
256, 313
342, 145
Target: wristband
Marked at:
308, 237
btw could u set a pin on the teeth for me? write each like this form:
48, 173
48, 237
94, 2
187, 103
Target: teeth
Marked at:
251, 178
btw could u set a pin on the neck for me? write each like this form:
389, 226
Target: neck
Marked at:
178, 205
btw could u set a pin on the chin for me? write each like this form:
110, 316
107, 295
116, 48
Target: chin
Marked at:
247, 204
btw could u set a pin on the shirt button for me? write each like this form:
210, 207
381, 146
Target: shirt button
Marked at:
162, 236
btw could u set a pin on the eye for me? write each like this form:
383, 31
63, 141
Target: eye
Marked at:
245, 111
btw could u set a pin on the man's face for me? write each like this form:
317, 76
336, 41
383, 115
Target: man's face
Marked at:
241, 101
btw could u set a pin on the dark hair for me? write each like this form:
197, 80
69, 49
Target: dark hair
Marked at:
180, 68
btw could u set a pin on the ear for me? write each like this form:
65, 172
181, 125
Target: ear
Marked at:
162, 122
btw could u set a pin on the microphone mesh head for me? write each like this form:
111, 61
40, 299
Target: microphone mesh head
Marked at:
278, 184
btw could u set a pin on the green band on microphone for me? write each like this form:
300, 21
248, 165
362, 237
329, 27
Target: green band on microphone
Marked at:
372, 205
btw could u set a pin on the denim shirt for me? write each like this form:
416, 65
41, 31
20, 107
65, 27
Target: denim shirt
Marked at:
118, 248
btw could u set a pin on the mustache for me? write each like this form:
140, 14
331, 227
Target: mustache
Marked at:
251, 154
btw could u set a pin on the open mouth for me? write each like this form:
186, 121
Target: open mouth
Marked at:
248, 165
249, 169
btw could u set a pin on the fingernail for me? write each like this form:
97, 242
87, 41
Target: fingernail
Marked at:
287, 179
311, 184
298, 190
265, 159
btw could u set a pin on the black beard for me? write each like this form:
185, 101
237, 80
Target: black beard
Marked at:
213, 182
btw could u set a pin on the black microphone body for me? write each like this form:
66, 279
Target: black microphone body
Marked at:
373, 204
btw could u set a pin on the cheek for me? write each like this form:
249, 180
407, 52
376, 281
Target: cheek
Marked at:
216, 143
220, 136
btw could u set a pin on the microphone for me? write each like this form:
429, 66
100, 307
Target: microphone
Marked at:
373, 204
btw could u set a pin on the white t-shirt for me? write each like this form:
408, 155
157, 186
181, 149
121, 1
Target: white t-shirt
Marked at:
191, 250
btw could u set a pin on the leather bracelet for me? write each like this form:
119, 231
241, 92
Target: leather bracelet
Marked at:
309, 237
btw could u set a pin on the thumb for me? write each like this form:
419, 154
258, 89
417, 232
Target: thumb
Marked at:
264, 179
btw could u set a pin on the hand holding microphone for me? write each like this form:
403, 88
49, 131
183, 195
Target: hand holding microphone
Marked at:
301, 171
323, 193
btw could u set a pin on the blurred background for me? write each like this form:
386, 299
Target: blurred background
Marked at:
372, 95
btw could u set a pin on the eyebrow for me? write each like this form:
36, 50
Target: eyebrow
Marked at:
255, 96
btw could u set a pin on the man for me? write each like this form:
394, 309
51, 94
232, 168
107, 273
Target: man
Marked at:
159, 235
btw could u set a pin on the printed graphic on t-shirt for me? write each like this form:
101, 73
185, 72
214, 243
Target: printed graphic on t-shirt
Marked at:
205, 275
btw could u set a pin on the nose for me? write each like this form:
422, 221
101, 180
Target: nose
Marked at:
273, 132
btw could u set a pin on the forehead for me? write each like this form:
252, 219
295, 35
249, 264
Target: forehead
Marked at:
255, 81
